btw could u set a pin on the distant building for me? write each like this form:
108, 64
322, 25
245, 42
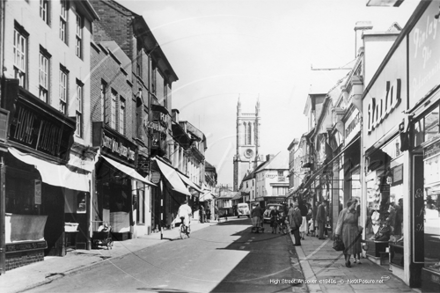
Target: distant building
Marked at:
247, 155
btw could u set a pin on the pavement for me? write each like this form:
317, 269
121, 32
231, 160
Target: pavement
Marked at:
325, 271
54, 267
323, 268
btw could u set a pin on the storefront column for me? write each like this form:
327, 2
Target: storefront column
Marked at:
407, 203
2, 218
90, 216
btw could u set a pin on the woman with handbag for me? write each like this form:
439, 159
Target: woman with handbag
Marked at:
347, 229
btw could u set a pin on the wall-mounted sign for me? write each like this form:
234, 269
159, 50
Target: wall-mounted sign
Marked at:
352, 125
117, 147
380, 107
112, 142
397, 175
432, 150
31, 128
424, 53
155, 177
37, 191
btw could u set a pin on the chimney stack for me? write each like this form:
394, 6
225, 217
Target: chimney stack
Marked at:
359, 29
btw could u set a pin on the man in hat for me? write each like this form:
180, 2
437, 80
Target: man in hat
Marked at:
295, 221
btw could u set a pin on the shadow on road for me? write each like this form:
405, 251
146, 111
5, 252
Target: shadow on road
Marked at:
234, 221
163, 290
267, 266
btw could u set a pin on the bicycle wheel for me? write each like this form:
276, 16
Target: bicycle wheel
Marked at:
182, 231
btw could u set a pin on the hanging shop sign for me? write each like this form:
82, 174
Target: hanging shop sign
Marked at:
155, 176
153, 125
396, 175
424, 55
143, 165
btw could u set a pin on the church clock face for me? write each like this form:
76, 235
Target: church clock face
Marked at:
248, 153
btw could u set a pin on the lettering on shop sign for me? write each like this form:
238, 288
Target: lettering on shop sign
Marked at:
352, 125
117, 147
35, 132
154, 126
421, 40
380, 108
432, 150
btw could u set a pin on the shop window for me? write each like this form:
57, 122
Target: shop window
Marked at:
140, 205
21, 195
81, 203
427, 128
432, 124
431, 208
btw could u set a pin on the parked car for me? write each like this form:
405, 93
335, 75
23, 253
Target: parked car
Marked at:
269, 207
243, 210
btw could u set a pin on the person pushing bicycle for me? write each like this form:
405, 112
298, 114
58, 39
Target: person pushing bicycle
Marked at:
184, 214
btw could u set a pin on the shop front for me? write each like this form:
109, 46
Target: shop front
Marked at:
421, 134
423, 138
117, 182
386, 195
170, 194
37, 184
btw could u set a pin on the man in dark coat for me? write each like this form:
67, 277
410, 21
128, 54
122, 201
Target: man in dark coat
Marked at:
295, 221
321, 218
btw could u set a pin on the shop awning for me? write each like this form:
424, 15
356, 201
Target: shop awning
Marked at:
189, 182
128, 170
206, 196
172, 176
53, 174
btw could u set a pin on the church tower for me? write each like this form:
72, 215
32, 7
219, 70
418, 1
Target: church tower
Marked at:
247, 143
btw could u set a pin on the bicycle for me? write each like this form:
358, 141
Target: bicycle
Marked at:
184, 230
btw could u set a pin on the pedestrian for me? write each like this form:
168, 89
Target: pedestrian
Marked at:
314, 222
216, 218
309, 220
256, 217
202, 214
303, 230
274, 217
208, 214
347, 228
282, 221
321, 218
295, 221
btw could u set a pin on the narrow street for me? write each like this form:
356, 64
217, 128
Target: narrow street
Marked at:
221, 258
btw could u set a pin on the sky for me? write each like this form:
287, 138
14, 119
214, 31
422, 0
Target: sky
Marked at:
254, 50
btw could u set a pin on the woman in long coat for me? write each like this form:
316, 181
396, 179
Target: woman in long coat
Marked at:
347, 228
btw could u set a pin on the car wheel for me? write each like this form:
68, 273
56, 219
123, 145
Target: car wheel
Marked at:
238, 217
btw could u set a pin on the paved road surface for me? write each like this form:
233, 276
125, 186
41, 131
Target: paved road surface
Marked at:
220, 258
